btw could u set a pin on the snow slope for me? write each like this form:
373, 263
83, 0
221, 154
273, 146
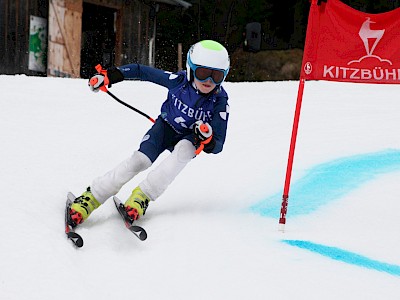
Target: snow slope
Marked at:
214, 233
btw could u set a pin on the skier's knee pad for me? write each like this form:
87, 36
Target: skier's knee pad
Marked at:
184, 150
139, 162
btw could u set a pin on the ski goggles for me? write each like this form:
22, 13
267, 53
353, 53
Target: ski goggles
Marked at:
202, 73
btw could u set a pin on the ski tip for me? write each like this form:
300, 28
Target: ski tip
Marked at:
139, 231
79, 243
75, 238
143, 236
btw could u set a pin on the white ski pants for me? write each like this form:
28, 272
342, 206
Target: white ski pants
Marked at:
157, 180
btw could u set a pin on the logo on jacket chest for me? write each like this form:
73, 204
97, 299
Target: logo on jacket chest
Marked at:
200, 113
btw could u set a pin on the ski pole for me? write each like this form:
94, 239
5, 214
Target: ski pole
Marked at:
131, 107
100, 69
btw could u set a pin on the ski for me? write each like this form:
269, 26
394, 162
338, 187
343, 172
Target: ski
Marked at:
138, 231
69, 230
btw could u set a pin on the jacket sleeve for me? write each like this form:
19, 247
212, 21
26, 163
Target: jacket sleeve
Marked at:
146, 73
219, 123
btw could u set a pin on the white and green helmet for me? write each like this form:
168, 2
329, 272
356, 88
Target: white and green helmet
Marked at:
207, 60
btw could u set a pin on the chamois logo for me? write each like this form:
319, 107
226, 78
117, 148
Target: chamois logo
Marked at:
308, 68
370, 38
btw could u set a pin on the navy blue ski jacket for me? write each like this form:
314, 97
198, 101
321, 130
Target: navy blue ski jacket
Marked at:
185, 104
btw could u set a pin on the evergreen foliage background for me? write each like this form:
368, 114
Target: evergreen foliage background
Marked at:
283, 25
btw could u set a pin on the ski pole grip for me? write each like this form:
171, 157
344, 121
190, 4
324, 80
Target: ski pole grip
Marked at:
93, 81
201, 147
102, 71
198, 150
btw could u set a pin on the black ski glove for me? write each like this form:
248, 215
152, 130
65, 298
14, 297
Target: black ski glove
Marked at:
114, 75
104, 78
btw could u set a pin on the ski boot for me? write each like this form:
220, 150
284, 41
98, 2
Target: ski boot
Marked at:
82, 207
136, 204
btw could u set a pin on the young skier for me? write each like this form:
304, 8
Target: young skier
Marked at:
193, 118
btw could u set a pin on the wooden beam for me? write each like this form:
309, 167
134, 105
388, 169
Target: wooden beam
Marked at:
64, 36
65, 43
107, 3
74, 5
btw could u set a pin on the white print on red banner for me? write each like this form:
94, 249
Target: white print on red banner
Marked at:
366, 34
377, 73
308, 68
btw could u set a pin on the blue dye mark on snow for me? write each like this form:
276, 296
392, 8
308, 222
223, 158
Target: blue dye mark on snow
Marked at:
330, 181
346, 256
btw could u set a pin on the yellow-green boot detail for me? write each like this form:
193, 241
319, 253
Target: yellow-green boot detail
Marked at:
137, 204
83, 206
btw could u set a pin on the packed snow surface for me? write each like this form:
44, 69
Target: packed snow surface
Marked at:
214, 233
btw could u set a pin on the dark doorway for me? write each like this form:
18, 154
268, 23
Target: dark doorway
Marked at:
98, 38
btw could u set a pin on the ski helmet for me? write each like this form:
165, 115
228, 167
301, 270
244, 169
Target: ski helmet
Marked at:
207, 60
